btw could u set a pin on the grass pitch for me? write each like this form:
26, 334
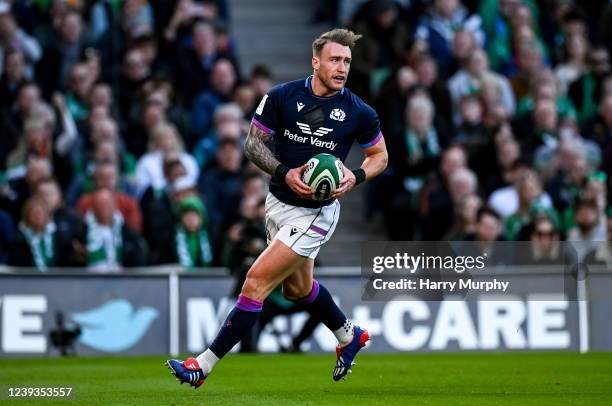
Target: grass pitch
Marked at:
392, 379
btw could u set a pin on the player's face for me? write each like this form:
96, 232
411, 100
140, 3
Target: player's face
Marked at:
332, 65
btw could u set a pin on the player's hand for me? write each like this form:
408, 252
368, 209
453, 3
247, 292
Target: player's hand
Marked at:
295, 183
346, 184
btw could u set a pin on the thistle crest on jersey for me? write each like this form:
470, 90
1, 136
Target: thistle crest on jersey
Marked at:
337, 114
323, 174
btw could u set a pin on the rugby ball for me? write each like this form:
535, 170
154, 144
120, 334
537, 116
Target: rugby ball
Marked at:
323, 174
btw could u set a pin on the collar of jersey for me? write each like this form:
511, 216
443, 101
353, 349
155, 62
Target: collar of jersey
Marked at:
307, 85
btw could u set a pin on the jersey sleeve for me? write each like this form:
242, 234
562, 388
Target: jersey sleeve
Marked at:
369, 128
267, 112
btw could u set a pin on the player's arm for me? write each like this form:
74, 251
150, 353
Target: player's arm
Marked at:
257, 152
376, 159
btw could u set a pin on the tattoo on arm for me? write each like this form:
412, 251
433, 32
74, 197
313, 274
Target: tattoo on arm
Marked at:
257, 152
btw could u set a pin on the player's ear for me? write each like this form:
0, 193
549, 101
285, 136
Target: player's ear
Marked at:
316, 62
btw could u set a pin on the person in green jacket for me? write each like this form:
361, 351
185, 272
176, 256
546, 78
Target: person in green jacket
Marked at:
191, 239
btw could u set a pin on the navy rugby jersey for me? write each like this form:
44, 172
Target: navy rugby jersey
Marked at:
303, 125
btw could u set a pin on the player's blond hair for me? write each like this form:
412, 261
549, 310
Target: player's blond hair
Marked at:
339, 35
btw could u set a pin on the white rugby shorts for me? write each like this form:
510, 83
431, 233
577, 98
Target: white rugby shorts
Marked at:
302, 229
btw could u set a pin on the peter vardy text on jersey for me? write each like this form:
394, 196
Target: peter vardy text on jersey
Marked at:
331, 145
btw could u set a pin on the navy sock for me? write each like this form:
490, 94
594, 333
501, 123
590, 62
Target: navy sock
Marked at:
239, 322
319, 303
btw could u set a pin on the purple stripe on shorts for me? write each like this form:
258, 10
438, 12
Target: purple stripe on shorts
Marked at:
248, 305
314, 292
318, 230
261, 126
373, 142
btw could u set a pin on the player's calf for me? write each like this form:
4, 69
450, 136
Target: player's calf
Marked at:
350, 338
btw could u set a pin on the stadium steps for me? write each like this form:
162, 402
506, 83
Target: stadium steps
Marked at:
278, 33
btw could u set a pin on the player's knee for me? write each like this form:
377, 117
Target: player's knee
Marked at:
295, 291
256, 286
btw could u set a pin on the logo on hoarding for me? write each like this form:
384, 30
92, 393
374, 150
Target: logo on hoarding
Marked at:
114, 326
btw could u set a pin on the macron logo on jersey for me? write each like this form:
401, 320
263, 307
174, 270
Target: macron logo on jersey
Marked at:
300, 106
321, 131
261, 106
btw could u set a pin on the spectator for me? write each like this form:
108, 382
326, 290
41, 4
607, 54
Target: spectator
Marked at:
12, 37
37, 244
428, 77
602, 255
421, 144
221, 188
36, 142
544, 87
105, 152
530, 62
486, 238
80, 82
12, 77
106, 177
471, 132
111, 245
193, 248
439, 26
152, 115
245, 97
134, 74
161, 92
574, 57
464, 44
70, 226
586, 91
530, 197
136, 18
14, 117
496, 19
545, 246
566, 185
590, 228
149, 169
437, 202
472, 78
464, 222
61, 54
382, 44
261, 80
222, 81
391, 106
197, 62
206, 150
158, 207
22, 187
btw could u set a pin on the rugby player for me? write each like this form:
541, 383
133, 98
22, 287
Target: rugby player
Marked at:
301, 119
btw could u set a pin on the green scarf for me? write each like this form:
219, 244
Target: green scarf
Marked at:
589, 105
193, 249
104, 243
415, 148
41, 245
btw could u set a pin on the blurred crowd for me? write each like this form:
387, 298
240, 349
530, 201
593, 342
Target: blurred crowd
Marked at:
497, 116
123, 124
122, 129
